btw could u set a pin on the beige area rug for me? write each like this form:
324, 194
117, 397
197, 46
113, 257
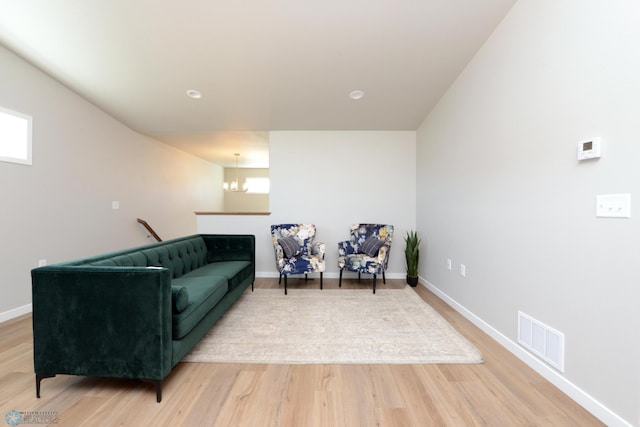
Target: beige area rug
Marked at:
333, 326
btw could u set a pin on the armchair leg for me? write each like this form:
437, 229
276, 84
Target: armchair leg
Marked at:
374, 283
321, 280
305, 277
358, 276
384, 282
280, 279
285, 284
340, 280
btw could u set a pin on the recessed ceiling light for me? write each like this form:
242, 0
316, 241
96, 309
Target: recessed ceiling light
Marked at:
356, 94
192, 93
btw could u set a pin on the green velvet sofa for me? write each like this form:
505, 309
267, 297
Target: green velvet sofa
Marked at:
135, 313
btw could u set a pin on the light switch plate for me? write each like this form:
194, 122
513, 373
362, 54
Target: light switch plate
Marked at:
613, 206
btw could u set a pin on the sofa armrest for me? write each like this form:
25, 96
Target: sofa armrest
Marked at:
102, 321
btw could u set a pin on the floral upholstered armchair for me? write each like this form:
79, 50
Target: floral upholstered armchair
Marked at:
296, 252
367, 250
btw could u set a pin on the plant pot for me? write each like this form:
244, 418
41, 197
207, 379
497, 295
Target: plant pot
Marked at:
412, 281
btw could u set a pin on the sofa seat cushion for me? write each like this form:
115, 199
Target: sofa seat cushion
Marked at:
234, 271
204, 293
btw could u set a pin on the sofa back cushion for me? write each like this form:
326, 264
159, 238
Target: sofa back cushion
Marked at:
229, 248
179, 256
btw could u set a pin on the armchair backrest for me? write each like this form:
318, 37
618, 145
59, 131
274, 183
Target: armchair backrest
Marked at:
360, 232
384, 232
303, 233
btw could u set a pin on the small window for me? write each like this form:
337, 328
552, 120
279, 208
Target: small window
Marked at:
15, 137
258, 185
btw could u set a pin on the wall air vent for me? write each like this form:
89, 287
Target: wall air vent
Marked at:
541, 340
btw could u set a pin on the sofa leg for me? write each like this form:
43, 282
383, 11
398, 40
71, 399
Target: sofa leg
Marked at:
340, 281
158, 391
321, 280
40, 377
251, 286
158, 385
358, 276
374, 283
285, 284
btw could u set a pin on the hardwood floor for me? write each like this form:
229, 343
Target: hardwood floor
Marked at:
503, 391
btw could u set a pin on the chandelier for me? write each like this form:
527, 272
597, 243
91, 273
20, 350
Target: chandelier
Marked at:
235, 185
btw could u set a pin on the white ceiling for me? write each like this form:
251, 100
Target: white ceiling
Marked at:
260, 65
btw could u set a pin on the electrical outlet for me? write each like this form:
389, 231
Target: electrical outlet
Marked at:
463, 270
449, 264
115, 204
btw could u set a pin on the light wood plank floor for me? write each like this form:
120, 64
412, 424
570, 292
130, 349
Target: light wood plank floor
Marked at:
501, 392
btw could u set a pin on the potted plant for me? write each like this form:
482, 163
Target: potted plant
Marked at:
412, 255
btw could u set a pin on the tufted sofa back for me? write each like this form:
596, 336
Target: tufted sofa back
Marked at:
179, 256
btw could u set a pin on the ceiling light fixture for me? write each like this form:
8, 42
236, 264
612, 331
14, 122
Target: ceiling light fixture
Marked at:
235, 185
356, 94
192, 93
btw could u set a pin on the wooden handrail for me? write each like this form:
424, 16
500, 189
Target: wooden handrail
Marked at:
149, 229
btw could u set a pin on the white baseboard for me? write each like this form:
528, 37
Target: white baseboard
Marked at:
266, 274
16, 312
596, 408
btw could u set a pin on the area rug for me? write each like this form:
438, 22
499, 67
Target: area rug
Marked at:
333, 326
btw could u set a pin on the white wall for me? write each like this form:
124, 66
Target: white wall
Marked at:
333, 179
60, 208
500, 188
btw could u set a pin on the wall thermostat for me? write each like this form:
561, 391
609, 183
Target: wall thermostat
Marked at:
590, 149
